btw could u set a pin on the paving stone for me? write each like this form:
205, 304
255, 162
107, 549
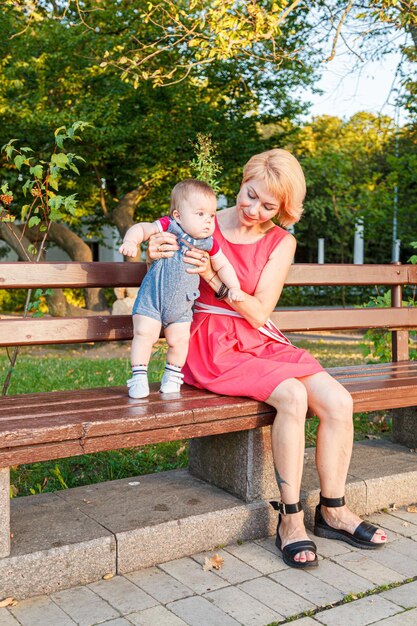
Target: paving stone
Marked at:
304, 621
7, 619
359, 613
406, 618
242, 607
40, 611
233, 570
83, 606
276, 596
193, 576
156, 616
159, 585
405, 596
258, 556
328, 548
197, 611
390, 557
363, 564
341, 578
405, 546
123, 595
404, 515
316, 591
119, 621
394, 524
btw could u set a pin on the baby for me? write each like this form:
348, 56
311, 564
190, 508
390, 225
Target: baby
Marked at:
168, 291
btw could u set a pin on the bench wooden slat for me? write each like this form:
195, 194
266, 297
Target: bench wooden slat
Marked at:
53, 275
44, 331
93, 400
82, 425
26, 275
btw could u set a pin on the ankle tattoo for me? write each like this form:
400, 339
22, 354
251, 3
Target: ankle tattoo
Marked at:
280, 480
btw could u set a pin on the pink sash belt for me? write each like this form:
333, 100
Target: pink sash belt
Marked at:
269, 329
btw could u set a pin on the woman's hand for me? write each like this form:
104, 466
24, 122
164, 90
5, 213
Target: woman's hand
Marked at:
162, 246
199, 262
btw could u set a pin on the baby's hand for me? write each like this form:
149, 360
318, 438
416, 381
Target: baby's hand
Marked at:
235, 295
129, 248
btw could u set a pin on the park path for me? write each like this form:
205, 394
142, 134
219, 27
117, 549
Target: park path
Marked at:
252, 588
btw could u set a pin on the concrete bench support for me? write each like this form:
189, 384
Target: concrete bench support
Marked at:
404, 430
240, 463
4, 512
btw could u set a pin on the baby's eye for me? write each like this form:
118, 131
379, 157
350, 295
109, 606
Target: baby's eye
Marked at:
200, 214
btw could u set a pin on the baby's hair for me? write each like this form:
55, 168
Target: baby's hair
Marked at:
182, 190
284, 178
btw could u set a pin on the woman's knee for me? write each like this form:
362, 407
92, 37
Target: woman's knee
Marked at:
290, 398
339, 405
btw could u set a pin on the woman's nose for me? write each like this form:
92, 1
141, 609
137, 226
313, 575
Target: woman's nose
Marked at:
254, 207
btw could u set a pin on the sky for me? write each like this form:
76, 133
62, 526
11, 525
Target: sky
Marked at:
347, 92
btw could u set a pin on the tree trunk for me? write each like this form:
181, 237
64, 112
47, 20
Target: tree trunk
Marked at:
123, 214
12, 235
79, 251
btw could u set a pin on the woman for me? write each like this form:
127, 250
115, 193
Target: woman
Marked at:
228, 349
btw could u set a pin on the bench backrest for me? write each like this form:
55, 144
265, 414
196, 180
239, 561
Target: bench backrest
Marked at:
47, 330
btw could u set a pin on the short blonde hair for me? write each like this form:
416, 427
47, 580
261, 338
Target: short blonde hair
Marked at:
182, 190
284, 178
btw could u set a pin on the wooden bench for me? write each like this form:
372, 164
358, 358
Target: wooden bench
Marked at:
45, 426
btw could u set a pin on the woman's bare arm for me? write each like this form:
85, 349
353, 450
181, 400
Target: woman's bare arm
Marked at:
257, 308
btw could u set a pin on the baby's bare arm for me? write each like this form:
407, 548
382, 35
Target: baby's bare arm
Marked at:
134, 237
227, 275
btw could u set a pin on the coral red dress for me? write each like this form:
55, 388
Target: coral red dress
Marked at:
226, 354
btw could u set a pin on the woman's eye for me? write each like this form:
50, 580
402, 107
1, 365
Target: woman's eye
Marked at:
251, 195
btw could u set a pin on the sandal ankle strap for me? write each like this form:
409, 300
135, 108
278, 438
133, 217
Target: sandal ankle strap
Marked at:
332, 502
286, 509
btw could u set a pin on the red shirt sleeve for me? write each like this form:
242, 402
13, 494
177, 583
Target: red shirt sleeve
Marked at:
215, 248
163, 223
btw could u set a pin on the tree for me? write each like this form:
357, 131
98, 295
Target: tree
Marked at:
352, 168
139, 143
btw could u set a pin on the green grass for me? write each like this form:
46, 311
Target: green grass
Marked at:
69, 368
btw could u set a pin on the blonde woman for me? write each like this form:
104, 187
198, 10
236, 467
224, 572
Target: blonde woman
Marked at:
234, 350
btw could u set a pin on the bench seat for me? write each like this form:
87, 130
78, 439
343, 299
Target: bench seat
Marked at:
46, 426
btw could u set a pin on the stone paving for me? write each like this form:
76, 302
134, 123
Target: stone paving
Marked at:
253, 588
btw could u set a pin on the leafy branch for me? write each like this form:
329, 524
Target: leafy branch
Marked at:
45, 204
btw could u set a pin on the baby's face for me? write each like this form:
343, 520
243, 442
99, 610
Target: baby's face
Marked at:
196, 215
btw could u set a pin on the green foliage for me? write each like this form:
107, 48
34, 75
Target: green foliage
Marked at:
378, 346
204, 166
37, 306
352, 168
42, 180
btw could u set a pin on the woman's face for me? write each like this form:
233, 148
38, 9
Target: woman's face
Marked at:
255, 204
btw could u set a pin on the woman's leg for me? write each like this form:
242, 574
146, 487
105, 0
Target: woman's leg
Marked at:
290, 401
332, 403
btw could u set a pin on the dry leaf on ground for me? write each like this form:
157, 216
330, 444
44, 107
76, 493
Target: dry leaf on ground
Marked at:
412, 509
6, 602
108, 576
214, 562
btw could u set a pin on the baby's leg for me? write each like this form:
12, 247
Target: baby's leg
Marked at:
178, 338
146, 331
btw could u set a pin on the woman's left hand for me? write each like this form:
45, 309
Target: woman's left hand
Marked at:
199, 262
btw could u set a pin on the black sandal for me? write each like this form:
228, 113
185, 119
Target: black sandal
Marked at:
361, 538
292, 549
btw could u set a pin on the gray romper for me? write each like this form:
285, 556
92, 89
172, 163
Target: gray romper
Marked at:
168, 292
